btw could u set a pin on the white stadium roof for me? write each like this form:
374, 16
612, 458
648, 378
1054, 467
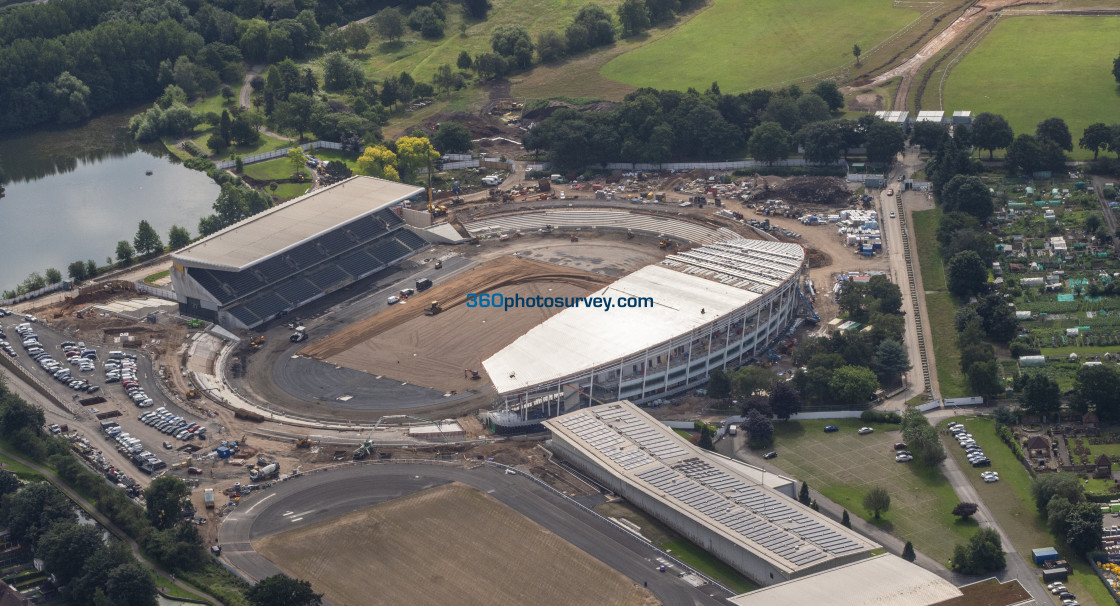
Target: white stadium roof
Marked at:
294, 222
883, 580
688, 290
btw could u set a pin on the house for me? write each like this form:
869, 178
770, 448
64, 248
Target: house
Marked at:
9, 596
1090, 419
1038, 446
1103, 466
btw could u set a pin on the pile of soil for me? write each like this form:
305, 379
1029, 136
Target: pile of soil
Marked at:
812, 190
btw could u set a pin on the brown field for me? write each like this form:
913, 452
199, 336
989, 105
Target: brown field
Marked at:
447, 545
402, 343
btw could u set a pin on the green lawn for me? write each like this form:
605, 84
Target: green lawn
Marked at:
929, 251
336, 155
1011, 503
1032, 68
159, 275
708, 564
941, 309
1077, 349
844, 466
290, 190
213, 103
24, 472
271, 170
748, 45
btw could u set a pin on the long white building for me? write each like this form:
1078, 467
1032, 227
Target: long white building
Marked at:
714, 307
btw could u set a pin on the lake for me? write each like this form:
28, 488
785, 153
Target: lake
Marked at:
73, 194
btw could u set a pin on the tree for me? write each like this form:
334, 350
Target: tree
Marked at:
1084, 528
425, 20
759, 428
71, 98
34, 510
378, 161
856, 52
513, 42
967, 194
147, 241
389, 24
224, 126
827, 90
965, 510
357, 36
551, 46
1055, 129
823, 142
908, 552
705, 441
477, 9
53, 275
884, 141
852, 386
1041, 394
1057, 515
77, 271
749, 380
633, 16
967, 274
891, 360
770, 142
928, 135
464, 61
991, 132
131, 585
1096, 137
296, 160
339, 73
91, 268
1098, 386
812, 108
803, 496
719, 385
447, 79
178, 237
65, 548
846, 520
1024, 155
165, 497
124, 252
983, 553
282, 590
784, 400
1047, 486
452, 138
877, 501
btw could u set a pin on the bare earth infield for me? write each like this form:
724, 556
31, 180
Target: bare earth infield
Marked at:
402, 343
446, 545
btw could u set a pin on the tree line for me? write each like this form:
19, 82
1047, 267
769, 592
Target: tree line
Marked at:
654, 126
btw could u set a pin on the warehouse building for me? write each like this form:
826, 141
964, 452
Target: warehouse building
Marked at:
744, 516
713, 307
289, 255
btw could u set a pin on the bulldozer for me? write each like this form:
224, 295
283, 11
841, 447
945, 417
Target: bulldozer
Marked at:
303, 443
433, 309
439, 264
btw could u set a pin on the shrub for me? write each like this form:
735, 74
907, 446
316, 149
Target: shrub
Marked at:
874, 416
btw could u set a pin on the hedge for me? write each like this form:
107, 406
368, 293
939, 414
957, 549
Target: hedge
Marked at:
874, 416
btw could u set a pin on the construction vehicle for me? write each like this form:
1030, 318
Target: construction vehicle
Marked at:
439, 264
303, 443
267, 472
363, 451
433, 309
256, 342
544, 185
666, 243
299, 335
208, 496
575, 238
471, 374
629, 234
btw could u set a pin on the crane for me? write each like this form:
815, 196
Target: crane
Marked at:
367, 446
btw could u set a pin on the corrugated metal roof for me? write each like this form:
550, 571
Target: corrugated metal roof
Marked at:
689, 290
294, 222
884, 580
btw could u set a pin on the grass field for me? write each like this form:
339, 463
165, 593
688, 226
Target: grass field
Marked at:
290, 190
447, 545
213, 103
1011, 503
843, 466
1032, 68
159, 275
929, 255
939, 305
271, 170
748, 45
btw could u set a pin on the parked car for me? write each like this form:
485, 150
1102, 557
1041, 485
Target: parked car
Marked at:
865, 430
194, 471
393, 299
831, 428
903, 458
770, 455
900, 446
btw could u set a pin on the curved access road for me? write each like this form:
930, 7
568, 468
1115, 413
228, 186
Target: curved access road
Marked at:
321, 496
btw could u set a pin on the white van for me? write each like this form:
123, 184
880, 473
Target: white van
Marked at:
492, 180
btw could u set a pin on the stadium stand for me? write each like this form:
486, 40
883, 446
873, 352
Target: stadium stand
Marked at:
297, 290
328, 276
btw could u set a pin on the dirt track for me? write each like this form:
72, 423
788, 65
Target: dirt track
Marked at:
447, 545
403, 343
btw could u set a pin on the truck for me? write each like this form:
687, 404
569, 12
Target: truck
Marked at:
300, 334
208, 495
732, 430
423, 284
267, 472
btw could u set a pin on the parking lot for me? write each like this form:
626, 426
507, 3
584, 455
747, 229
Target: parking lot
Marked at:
110, 403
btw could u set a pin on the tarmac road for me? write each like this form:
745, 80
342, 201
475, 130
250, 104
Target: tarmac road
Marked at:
322, 496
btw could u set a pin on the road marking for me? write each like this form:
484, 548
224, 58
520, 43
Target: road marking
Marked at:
300, 514
294, 520
254, 506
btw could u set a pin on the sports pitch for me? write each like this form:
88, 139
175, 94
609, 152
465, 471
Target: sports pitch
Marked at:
447, 545
747, 45
1032, 68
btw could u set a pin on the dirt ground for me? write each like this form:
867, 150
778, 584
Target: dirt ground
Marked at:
403, 343
447, 545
